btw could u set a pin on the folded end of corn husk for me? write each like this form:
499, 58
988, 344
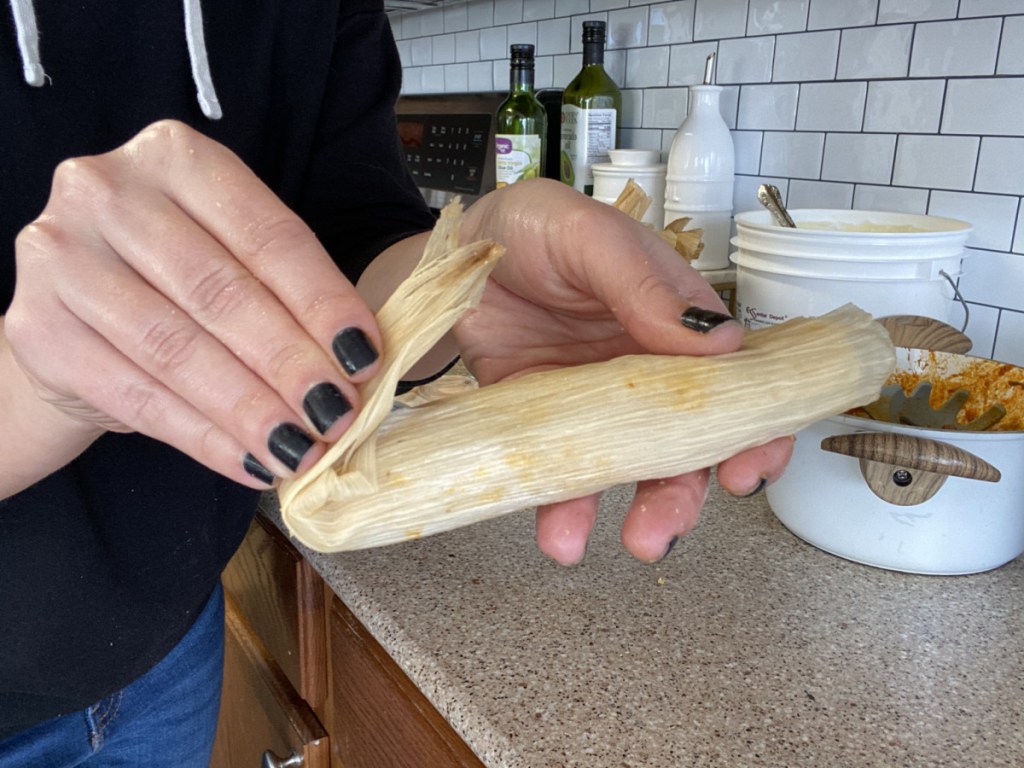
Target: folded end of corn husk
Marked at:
448, 280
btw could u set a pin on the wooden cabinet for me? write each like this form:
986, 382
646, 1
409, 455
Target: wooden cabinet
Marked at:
303, 678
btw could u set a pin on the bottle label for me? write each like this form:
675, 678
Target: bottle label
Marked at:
516, 158
587, 135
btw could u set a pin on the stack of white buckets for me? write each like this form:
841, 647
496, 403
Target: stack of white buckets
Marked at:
885, 263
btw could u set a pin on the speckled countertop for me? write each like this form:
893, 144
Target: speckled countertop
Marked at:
745, 647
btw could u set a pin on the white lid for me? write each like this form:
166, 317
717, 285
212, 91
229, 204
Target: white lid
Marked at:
634, 157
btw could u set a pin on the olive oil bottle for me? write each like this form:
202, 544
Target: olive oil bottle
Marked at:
591, 113
521, 128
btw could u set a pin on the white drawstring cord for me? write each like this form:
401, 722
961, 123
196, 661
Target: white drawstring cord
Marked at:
201, 76
28, 41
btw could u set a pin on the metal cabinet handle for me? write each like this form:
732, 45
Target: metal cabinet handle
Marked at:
907, 470
270, 760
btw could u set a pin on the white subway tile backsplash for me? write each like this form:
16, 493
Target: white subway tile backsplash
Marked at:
745, 60
729, 103
508, 11
670, 23
444, 49
1018, 238
422, 51
494, 43
608, 5
1001, 166
831, 106
1009, 347
982, 323
543, 74
772, 17
797, 155
479, 14
614, 65
768, 107
664, 108
747, 148
827, 14
481, 77
647, 67
875, 52
991, 215
456, 17
467, 46
895, 11
716, 19
519, 34
985, 106
948, 48
456, 78
632, 107
990, 7
534, 10
432, 79
627, 28
904, 106
571, 7
432, 22
686, 66
404, 52
553, 37
859, 157
565, 68
937, 162
1011, 51
641, 138
819, 194
868, 197
806, 56
993, 278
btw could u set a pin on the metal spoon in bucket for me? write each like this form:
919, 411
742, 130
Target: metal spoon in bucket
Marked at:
771, 199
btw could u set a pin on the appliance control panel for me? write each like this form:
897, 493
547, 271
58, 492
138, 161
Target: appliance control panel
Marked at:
446, 151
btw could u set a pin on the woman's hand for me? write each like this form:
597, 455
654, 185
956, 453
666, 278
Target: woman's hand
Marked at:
582, 282
164, 289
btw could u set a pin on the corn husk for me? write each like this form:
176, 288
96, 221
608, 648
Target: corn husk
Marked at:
565, 433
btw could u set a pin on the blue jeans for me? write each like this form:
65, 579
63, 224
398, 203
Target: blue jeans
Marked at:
165, 719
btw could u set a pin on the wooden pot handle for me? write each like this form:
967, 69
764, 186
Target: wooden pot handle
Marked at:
907, 470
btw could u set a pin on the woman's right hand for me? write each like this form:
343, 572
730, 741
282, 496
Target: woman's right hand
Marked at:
165, 289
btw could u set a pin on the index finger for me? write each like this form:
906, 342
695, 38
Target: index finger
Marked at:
217, 190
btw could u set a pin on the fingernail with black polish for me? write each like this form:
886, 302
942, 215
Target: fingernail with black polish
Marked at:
289, 444
703, 320
762, 484
354, 350
325, 404
252, 465
671, 545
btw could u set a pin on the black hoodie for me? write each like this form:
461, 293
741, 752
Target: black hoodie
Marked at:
105, 564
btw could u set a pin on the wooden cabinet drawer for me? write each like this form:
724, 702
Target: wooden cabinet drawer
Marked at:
281, 596
379, 718
260, 710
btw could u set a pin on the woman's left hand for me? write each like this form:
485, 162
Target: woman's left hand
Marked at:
582, 282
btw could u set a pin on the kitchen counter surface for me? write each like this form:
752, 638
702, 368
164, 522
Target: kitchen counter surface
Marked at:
745, 647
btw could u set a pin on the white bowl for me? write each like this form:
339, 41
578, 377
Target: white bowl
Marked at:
633, 157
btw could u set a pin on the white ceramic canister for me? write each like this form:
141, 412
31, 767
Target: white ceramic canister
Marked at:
641, 165
885, 263
700, 176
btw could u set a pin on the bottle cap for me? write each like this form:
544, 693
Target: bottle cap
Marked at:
593, 31
521, 52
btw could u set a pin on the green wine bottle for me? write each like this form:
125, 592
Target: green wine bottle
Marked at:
521, 128
591, 113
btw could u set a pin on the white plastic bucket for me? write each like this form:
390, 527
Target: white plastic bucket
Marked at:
885, 263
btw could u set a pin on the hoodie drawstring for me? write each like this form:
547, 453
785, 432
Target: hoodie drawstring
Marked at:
28, 41
201, 76
28, 45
